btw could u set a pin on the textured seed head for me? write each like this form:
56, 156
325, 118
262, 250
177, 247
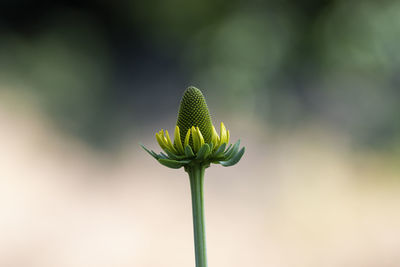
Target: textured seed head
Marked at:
193, 111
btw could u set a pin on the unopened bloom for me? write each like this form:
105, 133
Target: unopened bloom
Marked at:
195, 145
195, 139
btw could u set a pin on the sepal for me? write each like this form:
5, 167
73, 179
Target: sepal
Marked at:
173, 155
174, 164
232, 151
220, 151
189, 152
235, 158
203, 153
151, 152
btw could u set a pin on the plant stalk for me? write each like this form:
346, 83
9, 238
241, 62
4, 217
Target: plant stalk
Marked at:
196, 175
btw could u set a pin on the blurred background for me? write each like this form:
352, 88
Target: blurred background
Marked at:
310, 87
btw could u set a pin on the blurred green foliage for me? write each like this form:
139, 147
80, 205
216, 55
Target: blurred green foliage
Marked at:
100, 67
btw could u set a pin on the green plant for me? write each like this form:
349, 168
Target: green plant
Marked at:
196, 145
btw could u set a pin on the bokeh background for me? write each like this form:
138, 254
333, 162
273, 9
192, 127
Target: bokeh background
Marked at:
310, 87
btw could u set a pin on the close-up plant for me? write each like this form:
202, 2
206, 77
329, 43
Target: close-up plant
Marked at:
196, 146
310, 87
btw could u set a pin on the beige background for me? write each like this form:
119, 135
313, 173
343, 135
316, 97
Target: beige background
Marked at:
302, 198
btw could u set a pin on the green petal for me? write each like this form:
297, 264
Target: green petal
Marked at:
196, 140
169, 143
235, 159
160, 139
223, 135
203, 153
200, 137
187, 138
214, 138
177, 140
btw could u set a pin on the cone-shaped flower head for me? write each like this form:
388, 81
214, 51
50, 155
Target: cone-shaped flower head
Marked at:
195, 139
193, 111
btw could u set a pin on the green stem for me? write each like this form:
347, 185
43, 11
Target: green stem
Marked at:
196, 175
